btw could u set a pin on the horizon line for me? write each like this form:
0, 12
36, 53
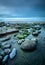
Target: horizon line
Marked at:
23, 19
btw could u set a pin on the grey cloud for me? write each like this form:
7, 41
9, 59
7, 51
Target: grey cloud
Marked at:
22, 8
13, 3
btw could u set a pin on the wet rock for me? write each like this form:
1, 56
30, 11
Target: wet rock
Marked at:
20, 31
20, 41
18, 27
0, 45
2, 24
9, 31
37, 27
7, 46
0, 58
0, 50
33, 30
13, 53
36, 33
7, 51
2, 53
12, 30
5, 59
28, 45
4, 43
8, 24
5, 39
34, 40
26, 32
30, 30
39, 31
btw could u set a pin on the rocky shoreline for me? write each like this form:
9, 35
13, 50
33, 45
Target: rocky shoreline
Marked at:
19, 40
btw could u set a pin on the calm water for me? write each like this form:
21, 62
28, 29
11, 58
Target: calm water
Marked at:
36, 57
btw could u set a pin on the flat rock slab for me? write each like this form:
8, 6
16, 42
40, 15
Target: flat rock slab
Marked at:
5, 38
6, 46
9, 31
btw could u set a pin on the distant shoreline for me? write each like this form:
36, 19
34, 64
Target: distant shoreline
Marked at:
23, 22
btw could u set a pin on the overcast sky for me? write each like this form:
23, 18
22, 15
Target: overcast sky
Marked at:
22, 8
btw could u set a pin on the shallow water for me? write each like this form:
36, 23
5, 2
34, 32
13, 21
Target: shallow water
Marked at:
36, 57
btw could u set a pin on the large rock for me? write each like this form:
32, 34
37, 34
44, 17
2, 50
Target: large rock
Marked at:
13, 53
29, 45
34, 40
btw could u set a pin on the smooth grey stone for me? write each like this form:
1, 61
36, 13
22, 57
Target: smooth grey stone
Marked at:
2, 53
0, 58
4, 43
5, 59
7, 46
7, 51
35, 33
28, 45
37, 27
13, 53
5, 39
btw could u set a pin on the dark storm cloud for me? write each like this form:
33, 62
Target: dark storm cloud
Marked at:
22, 8
14, 3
